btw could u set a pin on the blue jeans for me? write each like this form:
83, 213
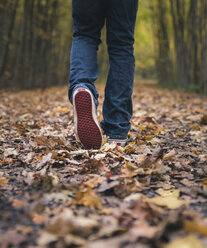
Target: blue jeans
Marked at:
89, 17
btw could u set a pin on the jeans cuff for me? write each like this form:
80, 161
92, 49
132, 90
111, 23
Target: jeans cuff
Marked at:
85, 87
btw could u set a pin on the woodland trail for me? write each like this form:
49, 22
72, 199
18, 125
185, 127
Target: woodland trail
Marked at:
150, 194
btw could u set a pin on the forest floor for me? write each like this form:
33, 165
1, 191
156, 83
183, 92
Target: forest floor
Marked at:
150, 194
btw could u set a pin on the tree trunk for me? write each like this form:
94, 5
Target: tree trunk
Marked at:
7, 40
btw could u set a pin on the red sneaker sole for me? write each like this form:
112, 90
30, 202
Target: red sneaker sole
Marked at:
88, 132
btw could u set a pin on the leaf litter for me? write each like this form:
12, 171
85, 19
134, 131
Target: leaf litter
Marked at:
151, 193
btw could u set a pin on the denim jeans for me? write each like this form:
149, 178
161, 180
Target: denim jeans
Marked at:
89, 17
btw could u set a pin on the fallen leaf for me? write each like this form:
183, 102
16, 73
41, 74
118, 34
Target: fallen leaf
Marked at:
142, 229
94, 181
194, 118
108, 147
4, 180
24, 229
155, 141
133, 197
99, 156
67, 223
45, 238
72, 240
169, 155
198, 227
190, 241
88, 198
45, 159
167, 199
105, 211
10, 152
204, 119
19, 203
57, 197
131, 148
62, 110
107, 185
38, 218
11, 237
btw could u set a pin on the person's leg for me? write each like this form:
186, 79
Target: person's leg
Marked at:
117, 108
89, 17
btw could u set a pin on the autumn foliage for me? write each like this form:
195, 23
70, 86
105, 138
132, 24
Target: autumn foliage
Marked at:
151, 193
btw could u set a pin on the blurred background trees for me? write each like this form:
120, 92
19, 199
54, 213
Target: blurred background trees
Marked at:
181, 43
35, 39
171, 43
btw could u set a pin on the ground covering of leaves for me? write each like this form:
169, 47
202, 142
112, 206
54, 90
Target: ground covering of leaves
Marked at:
151, 193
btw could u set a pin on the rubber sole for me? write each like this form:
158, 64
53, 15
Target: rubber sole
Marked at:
88, 130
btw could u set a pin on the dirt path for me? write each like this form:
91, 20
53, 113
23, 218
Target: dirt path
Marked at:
152, 193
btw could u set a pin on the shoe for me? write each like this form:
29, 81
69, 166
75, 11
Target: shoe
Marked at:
87, 128
119, 142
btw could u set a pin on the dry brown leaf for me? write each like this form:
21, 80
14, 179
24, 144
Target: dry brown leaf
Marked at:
142, 229
105, 211
45, 238
72, 240
169, 155
44, 160
38, 218
19, 203
67, 223
4, 180
11, 152
88, 198
24, 229
108, 147
94, 181
194, 118
11, 237
204, 119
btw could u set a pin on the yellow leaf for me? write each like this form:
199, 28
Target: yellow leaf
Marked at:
105, 211
159, 130
62, 110
195, 127
179, 134
100, 118
191, 241
148, 137
140, 127
88, 198
104, 141
167, 199
3, 180
130, 148
204, 182
192, 226
171, 192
